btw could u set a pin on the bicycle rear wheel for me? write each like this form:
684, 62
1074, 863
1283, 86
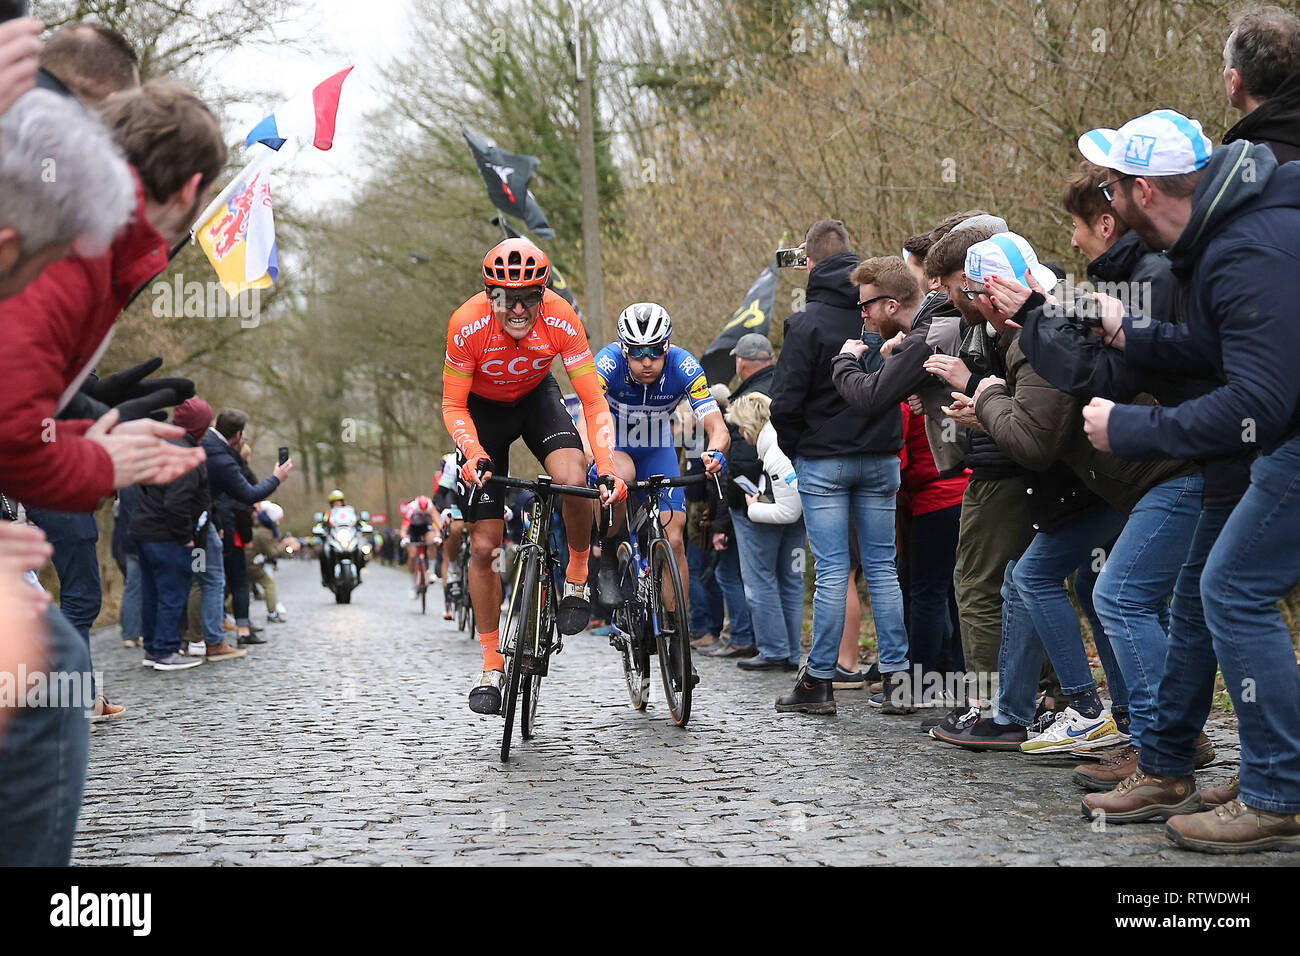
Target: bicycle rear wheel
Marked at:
516, 641
636, 658
671, 632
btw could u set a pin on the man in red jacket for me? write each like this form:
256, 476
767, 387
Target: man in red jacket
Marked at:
57, 328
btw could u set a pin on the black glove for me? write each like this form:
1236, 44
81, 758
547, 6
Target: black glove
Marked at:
148, 406
118, 388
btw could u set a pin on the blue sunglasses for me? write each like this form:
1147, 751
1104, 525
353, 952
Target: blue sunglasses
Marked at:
645, 351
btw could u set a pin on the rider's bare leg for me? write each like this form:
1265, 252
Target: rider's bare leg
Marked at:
568, 467
485, 586
674, 525
627, 471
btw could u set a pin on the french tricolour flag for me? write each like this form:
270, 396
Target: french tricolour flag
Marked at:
309, 117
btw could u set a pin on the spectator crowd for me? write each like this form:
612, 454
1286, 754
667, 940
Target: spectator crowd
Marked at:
976, 437
132, 165
980, 437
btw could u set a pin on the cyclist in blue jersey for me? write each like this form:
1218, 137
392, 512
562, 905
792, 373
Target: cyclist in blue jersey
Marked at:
645, 378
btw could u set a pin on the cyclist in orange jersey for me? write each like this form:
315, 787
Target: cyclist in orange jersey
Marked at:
496, 388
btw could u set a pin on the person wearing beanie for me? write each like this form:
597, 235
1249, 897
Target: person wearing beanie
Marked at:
168, 522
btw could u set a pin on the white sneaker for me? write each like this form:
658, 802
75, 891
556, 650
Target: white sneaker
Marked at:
196, 649
176, 662
1071, 731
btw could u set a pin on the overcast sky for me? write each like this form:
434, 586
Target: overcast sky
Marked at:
364, 32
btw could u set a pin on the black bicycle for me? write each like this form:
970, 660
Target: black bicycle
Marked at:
528, 635
653, 617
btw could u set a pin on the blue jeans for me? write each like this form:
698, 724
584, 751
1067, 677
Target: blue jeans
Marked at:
131, 594
165, 586
1254, 564
861, 489
1136, 583
706, 602
77, 563
727, 574
1186, 689
1021, 655
43, 753
771, 565
1085, 580
1040, 578
212, 587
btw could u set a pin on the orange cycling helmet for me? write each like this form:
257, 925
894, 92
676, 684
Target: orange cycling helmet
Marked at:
516, 264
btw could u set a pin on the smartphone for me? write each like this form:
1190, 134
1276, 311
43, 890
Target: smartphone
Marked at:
284, 454
789, 258
13, 9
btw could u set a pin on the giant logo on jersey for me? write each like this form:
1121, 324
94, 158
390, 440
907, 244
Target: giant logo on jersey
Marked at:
555, 323
460, 337
516, 366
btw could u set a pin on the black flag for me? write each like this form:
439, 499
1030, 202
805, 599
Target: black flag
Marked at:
555, 282
754, 315
506, 176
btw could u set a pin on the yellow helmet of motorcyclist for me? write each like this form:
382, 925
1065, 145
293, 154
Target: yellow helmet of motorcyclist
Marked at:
336, 496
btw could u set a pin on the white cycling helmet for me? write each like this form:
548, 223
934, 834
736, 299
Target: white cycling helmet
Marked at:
644, 323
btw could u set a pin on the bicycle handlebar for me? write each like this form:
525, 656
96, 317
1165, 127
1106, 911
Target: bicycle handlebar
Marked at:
545, 487
663, 481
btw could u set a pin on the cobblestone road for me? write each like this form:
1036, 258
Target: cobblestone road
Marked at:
347, 739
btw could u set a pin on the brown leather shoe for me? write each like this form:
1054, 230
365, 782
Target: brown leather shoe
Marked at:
1139, 798
224, 652
735, 650
1236, 828
1107, 772
703, 641
1204, 751
1223, 793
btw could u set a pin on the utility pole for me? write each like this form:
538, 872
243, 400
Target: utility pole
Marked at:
594, 314
385, 416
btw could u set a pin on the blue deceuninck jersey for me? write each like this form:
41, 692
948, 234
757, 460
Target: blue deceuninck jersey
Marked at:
643, 413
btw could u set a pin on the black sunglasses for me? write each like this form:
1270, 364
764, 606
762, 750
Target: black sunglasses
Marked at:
1107, 187
863, 306
508, 300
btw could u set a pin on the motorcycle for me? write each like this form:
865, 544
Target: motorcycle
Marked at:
345, 551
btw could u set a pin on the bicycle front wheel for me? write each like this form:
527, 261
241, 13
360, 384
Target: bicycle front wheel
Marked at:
517, 639
540, 630
672, 636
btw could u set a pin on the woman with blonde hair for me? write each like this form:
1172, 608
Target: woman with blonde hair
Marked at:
772, 543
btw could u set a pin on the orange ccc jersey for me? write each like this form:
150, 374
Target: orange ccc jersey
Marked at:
483, 360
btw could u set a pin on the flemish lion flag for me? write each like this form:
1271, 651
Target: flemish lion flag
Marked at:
239, 238
754, 315
506, 176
